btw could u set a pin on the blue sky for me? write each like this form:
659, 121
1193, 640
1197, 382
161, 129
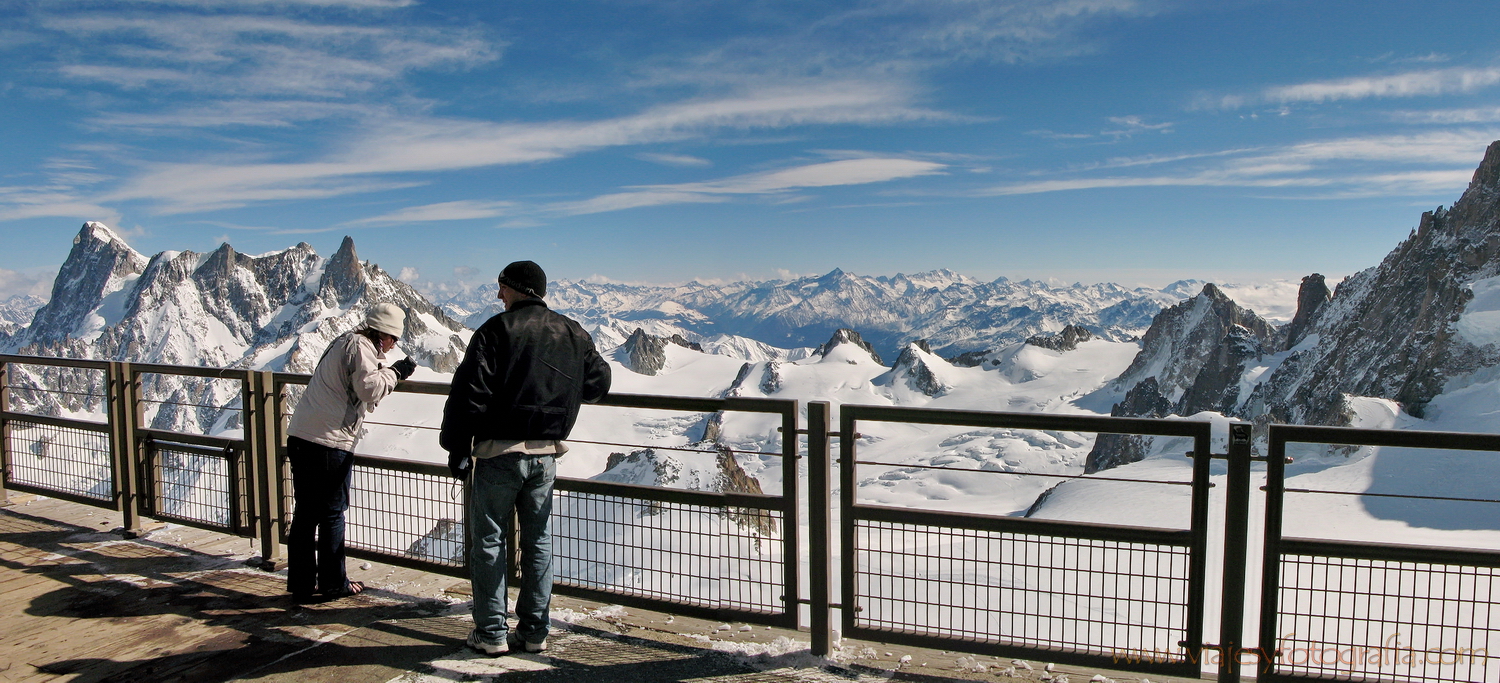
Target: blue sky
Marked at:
1134, 141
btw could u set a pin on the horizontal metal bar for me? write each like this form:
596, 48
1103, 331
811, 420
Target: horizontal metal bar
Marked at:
376, 462
670, 448
111, 504
1118, 662
1028, 474
1041, 421
197, 523
406, 561
1393, 552
698, 405
1023, 525
50, 421
1405, 438
191, 439
230, 454
666, 495
190, 371
1391, 495
56, 362
778, 619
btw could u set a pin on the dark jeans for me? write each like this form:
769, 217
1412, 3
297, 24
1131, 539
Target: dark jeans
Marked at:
315, 543
522, 483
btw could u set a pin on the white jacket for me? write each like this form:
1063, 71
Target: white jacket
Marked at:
348, 382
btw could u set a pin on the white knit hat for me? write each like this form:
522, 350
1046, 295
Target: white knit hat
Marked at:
387, 318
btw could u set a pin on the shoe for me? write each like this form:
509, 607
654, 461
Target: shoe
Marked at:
485, 646
516, 643
350, 588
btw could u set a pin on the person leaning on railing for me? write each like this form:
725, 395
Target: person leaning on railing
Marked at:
514, 399
348, 382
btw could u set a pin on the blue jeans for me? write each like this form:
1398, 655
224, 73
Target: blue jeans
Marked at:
315, 543
522, 483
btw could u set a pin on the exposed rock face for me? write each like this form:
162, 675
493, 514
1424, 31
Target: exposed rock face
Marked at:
1066, 340
643, 353
845, 335
914, 367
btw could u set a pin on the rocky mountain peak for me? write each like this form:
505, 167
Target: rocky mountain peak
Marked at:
98, 265
1487, 176
915, 367
844, 335
1311, 297
343, 277
1065, 340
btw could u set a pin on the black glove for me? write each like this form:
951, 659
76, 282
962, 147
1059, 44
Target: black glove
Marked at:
404, 367
459, 464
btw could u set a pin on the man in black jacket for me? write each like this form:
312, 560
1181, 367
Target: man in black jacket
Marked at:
514, 399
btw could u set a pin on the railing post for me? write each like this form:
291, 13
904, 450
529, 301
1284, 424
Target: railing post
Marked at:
124, 419
262, 434
848, 535
4, 433
819, 505
1236, 535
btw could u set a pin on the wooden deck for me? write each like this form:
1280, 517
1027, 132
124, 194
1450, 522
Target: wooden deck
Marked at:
81, 604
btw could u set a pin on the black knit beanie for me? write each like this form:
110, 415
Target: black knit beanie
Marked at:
525, 277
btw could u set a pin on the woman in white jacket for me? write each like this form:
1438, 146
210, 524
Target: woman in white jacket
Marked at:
348, 382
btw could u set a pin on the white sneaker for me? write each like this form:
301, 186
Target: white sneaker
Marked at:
517, 643
486, 646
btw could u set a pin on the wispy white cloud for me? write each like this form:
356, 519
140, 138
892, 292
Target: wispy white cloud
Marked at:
254, 55
1120, 128
1425, 165
826, 174
1450, 116
443, 211
1431, 82
36, 282
425, 145
674, 159
247, 113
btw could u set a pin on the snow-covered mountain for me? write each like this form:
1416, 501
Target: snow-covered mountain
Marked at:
16, 313
277, 311
1423, 323
954, 313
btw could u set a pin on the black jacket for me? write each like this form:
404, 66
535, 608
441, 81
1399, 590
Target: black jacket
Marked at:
523, 377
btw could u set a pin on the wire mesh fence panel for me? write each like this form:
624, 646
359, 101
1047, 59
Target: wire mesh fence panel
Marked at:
1387, 620
1113, 598
405, 514
207, 406
715, 557
66, 392
68, 460
194, 486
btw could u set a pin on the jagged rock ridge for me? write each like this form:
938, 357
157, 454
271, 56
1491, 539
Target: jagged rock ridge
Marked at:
1390, 331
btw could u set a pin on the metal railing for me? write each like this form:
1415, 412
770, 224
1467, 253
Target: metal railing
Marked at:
1071, 592
1375, 611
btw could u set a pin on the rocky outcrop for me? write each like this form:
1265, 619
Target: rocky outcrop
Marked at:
1066, 340
643, 353
845, 335
914, 368
1312, 296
